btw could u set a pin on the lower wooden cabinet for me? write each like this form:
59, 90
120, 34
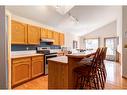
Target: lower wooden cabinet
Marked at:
37, 66
24, 69
21, 70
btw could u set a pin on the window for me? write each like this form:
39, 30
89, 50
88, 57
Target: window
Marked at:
91, 43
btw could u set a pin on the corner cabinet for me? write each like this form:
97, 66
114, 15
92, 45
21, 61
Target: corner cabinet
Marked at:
18, 32
33, 34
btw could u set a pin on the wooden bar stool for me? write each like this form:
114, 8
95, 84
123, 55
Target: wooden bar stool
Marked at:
87, 76
92, 73
101, 69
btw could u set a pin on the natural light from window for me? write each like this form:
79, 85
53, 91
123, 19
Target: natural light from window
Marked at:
91, 44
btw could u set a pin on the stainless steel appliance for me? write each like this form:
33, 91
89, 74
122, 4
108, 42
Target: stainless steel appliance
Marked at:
47, 54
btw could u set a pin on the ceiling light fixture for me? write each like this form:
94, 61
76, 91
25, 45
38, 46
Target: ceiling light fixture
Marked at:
63, 9
73, 18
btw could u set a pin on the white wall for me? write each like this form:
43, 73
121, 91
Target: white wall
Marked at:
108, 30
3, 50
69, 37
124, 41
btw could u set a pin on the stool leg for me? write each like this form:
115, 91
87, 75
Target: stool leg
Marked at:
77, 79
99, 79
82, 82
96, 84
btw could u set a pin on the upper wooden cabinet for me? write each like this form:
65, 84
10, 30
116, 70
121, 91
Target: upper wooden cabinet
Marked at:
18, 32
61, 39
56, 38
44, 33
29, 34
33, 34
50, 34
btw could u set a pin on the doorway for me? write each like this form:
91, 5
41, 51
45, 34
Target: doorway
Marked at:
111, 44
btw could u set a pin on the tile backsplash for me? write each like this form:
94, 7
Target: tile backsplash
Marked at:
15, 47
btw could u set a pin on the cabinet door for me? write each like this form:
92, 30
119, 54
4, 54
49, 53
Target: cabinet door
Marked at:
50, 34
18, 33
21, 70
56, 38
61, 39
44, 33
37, 66
33, 34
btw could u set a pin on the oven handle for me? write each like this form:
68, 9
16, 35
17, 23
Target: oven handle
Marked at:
51, 55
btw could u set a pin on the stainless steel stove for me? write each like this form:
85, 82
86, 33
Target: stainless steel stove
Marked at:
47, 54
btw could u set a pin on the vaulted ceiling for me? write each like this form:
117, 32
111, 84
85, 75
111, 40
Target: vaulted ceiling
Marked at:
77, 19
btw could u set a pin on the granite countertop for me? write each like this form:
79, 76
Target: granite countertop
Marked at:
81, 55
59, 59
25, 55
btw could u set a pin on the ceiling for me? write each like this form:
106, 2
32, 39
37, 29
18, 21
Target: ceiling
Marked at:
83, 19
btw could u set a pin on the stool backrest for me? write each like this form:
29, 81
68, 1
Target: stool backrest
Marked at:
105, 50
96, 60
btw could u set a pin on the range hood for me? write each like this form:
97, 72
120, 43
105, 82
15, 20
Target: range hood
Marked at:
47, 40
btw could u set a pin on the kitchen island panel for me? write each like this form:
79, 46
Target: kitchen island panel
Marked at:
58, 75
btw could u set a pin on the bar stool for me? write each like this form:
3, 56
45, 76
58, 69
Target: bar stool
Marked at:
101, 69
86, 75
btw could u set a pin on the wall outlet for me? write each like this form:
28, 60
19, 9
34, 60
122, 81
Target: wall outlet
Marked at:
27, 48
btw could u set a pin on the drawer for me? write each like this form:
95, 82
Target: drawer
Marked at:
36, 58
19, 60
34, 61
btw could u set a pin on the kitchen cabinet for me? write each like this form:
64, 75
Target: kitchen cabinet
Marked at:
37, 66
26, 68
44, 33
29, 34
21, 70
61, 39
33, 34
18, 32
56, 38
50, 34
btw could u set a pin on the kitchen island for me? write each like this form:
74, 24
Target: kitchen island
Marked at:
60, 70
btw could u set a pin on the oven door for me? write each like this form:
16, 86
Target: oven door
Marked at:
46, 62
